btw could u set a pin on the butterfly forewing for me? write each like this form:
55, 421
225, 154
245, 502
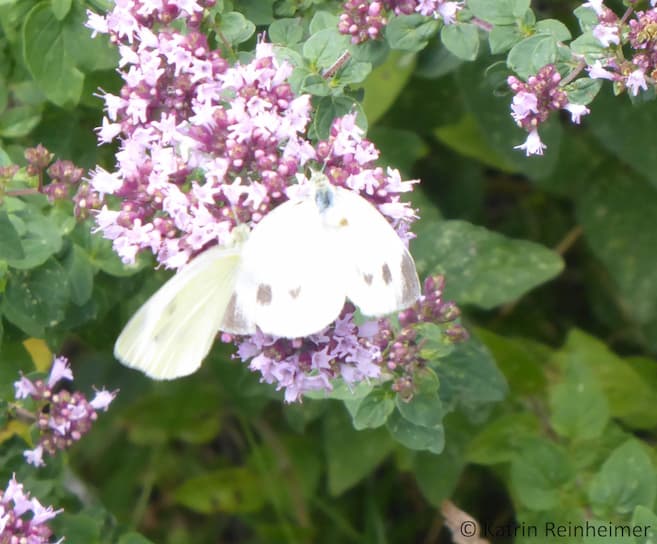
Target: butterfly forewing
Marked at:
290, 281
381, 275
173, 331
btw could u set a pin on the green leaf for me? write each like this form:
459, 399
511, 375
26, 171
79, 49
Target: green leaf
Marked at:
645, 521
626, 480
469, 378
502, 438
629, 395
88, 53
47, 58
499, 12
521, 361
589, 46
587, 17
133, 538
399, 149
538, 473
351, 455
10, 243
15, 359
462, 39
416, 437
353, 72
232, 490
40, 239
286, 31
433, 341
37, 299
19, 121
438, 475
527, 57
323, 20
331, 107
371, 411
80, 275
621, 128
323, 48
235, 28
78, 528
503, 38
260, 12
583, 90
177, 411
424, 410
555, 28
384, 84
61, 8
466, 138
482, 267
410, 32
579, 409
616, 214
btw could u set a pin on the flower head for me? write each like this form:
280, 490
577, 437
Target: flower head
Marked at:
23, 519
205, 146
61, 417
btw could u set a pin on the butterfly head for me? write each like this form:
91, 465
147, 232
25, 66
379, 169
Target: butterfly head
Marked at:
239, 234
324, 192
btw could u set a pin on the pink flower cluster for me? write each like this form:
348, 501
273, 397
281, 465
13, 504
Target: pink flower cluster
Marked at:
365, 19
62, 418
636, 73
543, 93
354, 352
533, 102
23, 519
205, 146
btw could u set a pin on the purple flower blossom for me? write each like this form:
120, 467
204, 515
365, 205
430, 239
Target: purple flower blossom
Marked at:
24, 388
23, 519
59, 371
533, 145
364, 20
524, 104
576, 112
636, 81
61, 417
607, 34
597, 71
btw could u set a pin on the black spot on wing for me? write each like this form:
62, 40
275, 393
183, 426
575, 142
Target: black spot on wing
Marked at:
411, 283
368, 278
263, 295
233, 320
386, 274
294, 293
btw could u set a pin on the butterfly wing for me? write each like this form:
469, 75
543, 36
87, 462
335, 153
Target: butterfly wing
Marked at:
381, 276
173, 331
289, 282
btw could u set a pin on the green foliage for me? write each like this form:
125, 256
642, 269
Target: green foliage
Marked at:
486, 269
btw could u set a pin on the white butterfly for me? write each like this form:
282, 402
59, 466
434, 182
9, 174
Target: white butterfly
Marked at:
290, 278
